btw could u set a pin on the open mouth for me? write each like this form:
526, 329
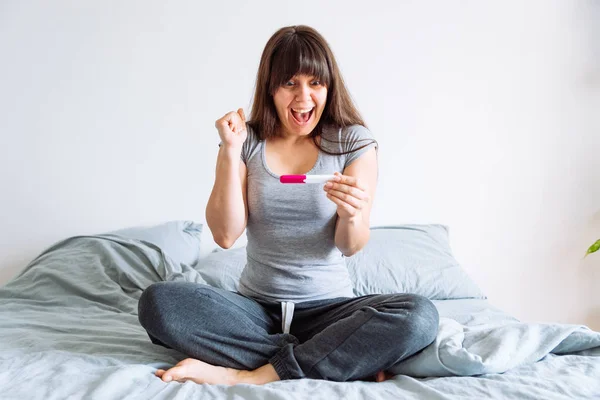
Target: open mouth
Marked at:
302, 116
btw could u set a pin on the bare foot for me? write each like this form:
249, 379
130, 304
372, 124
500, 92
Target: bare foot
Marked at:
198, 371
383, 376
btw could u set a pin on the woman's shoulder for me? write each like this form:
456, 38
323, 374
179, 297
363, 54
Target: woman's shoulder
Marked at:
356, 132
347, 132
251, 143
348, 135
252, 135
347, 138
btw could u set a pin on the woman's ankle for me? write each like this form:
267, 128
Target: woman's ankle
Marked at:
259, 376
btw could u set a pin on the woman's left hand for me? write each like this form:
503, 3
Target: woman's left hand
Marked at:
348, 194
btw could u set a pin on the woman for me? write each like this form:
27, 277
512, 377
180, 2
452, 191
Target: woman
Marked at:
294, 315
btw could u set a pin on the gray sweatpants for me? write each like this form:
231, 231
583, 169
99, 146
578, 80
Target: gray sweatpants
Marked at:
341, 339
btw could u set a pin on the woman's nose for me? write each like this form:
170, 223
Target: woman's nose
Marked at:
303, 93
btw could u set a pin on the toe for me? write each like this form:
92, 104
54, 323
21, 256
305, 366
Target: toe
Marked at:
174, 374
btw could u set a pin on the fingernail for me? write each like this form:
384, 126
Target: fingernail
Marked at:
328, 184
168, 379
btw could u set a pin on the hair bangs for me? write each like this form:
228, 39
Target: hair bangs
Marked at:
298, 56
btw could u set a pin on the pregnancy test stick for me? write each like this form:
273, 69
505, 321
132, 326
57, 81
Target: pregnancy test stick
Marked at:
305, 178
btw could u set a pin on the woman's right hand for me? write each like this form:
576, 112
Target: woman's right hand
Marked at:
232, 129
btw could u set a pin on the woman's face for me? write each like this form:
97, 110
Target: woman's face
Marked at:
300, 103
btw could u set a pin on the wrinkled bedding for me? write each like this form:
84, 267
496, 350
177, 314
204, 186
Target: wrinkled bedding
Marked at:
69, 329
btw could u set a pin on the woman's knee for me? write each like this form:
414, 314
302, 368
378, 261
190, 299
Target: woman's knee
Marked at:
149, 303
162, 299
424, 318
418, 317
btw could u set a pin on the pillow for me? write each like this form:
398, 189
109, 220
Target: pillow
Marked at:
410, 259
397, 259
180, 240
223, 268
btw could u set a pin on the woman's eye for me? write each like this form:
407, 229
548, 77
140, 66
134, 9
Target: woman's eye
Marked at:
289, 83
317, 83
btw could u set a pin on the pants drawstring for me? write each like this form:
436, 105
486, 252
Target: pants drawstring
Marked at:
287, 313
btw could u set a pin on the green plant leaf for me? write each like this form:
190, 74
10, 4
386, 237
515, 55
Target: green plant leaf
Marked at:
593, 248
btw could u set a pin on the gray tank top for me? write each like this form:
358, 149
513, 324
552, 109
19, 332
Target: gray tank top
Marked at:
291, 254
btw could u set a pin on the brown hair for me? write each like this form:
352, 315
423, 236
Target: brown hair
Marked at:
296, 50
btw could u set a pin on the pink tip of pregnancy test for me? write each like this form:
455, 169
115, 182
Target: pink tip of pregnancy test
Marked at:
292, 178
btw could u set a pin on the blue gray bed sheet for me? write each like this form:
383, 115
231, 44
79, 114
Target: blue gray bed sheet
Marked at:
69, 330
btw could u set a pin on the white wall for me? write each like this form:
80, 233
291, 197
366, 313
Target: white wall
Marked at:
486, 114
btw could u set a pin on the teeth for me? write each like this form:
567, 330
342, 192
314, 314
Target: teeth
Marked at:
301, 111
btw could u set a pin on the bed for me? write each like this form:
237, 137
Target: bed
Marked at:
69, 327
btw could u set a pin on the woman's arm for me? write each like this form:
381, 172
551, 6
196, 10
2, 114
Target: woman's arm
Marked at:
353, 192
227, 211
